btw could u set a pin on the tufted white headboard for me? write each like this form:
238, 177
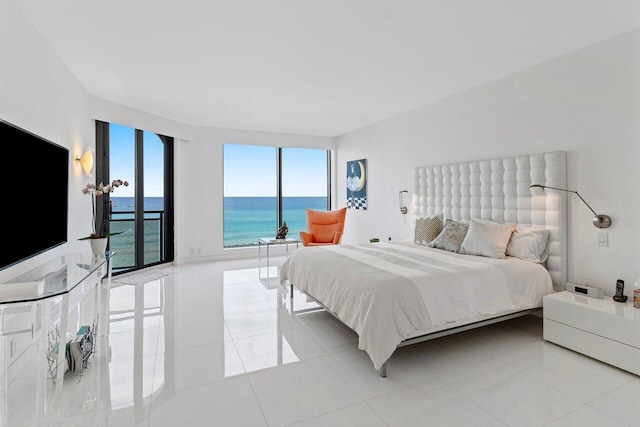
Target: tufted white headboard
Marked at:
499, 190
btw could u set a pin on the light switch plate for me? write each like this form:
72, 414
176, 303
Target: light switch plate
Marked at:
603, 239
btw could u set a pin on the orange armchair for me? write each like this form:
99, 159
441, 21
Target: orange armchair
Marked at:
323, 227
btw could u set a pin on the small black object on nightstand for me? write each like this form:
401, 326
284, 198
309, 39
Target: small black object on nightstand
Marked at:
619, 296
282, 231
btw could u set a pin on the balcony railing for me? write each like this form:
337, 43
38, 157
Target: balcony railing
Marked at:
124, 244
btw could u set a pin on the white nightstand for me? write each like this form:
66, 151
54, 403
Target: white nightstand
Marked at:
600, 328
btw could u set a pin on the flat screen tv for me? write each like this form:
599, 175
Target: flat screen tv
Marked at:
34, 190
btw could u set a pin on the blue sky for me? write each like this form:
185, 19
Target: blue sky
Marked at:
122, 152
250, 171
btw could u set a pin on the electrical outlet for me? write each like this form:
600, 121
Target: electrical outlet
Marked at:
603, 239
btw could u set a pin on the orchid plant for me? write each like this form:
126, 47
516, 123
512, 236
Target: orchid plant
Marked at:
95, 191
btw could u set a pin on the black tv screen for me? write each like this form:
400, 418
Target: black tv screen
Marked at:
34, 188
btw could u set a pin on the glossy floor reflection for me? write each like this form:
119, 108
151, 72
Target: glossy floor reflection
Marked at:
210, 345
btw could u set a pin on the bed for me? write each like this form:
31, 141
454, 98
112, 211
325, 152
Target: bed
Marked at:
399, 293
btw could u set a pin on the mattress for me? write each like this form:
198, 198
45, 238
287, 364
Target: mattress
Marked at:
388, 292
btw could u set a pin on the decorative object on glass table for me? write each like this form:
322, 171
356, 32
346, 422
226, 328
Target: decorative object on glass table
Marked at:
53, 344
636, 294
374, 240
100, 225
282, 231
80, 348
620, 296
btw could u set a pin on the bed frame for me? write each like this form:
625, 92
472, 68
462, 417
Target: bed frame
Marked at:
437, 333
497, 190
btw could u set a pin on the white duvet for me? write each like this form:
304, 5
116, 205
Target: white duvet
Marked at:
388, 292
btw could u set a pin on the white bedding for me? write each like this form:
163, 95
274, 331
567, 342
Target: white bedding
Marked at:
388, 292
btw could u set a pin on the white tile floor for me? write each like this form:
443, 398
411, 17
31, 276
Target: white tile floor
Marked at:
207, 346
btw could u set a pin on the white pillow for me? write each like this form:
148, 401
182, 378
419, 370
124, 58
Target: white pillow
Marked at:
530, 244
486, 239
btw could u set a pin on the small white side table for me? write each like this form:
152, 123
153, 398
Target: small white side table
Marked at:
600, 328
272, 281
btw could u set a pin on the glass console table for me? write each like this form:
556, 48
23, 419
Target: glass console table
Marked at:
39, 311
55, 277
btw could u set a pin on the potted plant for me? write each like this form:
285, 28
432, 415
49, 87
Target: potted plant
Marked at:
99, 236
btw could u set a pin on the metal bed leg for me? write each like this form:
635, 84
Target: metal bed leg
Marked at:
383, 370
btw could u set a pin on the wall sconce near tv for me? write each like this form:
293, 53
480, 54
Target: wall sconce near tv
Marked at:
86, 161
600, 221
403, 208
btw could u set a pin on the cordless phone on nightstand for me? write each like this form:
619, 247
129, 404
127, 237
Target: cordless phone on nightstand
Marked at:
619, 296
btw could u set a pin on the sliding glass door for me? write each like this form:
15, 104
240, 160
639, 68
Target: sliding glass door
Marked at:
143, 211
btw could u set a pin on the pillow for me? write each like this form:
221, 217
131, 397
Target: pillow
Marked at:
488, 239
530, 244
427, 229
451, 236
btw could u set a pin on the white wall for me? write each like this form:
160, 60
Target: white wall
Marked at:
39, 94
586, 103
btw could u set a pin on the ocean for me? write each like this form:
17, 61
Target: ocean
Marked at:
126, 204
246, 219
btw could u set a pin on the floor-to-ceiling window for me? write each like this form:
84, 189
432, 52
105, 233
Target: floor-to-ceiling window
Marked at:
304, 184
266, 186
142, 211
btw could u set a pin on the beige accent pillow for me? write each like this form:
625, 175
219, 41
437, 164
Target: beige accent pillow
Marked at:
427, 229
486, 239
530, 244
451, 236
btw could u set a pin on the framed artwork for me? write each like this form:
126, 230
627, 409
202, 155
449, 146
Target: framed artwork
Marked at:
357, 184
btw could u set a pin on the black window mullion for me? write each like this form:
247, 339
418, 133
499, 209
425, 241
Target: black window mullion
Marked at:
167, 232
102, 166
279, 185
139, 198
328, 180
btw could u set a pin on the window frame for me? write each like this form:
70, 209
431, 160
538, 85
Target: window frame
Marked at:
279, 185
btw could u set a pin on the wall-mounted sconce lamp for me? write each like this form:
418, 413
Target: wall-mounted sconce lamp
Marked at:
86, 161
403, 208
600, 221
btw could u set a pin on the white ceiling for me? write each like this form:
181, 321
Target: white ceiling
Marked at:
323, 67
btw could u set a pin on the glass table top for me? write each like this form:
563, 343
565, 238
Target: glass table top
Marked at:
274, 241
55, 277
